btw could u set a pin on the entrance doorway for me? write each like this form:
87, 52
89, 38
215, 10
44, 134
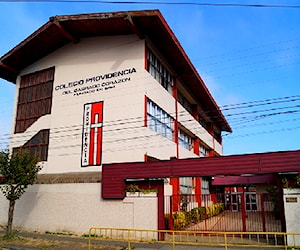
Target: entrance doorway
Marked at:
244, 212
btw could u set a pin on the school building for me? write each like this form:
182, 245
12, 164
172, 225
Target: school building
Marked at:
99, 89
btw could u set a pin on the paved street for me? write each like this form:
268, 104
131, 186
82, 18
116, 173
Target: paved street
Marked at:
82, 243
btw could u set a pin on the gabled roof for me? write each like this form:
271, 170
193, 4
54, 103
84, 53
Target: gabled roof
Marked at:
60, 30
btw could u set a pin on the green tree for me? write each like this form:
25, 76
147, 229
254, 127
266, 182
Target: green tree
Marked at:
19, 170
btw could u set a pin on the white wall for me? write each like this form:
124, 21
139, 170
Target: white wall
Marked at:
291, 199
125, 138
77, 207
123, 104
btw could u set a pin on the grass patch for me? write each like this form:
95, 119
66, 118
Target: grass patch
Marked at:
11, 237
92, 235
60, 233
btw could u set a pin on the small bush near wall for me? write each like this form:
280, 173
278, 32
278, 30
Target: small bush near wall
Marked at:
182, 220
198, 214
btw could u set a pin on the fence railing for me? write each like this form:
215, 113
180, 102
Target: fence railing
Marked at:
247, 211
273, 240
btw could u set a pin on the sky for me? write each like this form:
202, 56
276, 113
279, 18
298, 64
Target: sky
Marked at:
249, 58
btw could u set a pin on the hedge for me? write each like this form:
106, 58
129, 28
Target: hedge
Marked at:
182, 220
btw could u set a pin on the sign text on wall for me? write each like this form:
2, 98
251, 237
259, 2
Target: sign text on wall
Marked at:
95, 83
291, 199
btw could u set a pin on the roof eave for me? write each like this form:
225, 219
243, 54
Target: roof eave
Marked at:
38, 45
217, 112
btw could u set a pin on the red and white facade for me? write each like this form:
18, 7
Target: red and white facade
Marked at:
106, 93
110, 88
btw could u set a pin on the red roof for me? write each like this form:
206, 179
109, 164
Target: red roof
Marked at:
243, 180
114, 175
60, 30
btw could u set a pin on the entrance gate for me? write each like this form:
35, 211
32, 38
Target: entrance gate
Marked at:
233, 212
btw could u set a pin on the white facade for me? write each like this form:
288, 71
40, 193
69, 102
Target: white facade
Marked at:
291, 199
110, 70
97, 112
76, 207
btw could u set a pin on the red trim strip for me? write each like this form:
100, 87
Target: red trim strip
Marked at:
145, 111
146, 58
99, 146
197, 146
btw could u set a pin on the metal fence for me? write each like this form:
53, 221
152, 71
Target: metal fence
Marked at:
245, 212
256, 240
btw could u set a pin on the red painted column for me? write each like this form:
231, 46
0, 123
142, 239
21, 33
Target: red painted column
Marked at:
197, 179
175, 181
263, 216
175, 95
243, 212
211, 153
175, 193
198, 190
197, 146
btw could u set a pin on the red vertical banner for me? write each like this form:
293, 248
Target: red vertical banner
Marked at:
91, 154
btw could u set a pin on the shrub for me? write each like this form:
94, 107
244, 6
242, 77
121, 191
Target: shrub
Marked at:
188, 218
197, 214
179, 220
214, 209
132, 188
182, 219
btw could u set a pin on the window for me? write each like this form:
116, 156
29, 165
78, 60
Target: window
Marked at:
38, 145
203, 151
159, 72
185, 103
204, 186
186, 185
35, 98
218, 136
159, 121
202, 121
185, 140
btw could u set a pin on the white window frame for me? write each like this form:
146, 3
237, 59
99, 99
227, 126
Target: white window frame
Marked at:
186, 185
204, 186
203, 151
159, 121
185, 140
159, 72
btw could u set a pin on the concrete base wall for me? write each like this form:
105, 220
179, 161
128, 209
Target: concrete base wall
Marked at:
76, 207
291, 199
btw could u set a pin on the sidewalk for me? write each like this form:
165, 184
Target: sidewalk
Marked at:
77, 243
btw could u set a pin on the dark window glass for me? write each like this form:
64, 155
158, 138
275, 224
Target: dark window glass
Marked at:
159, 72
37, 145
